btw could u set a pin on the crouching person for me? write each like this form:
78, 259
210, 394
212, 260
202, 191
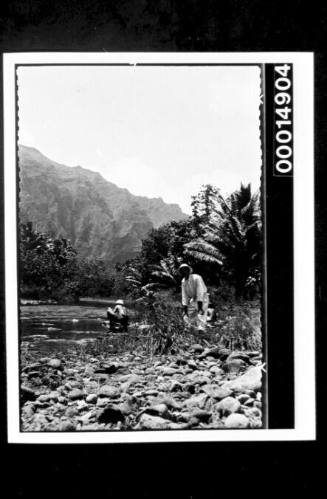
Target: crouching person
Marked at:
118, 317
194, 299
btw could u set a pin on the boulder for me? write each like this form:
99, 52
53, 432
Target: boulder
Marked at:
111, 414
227, 406
237, 421
250, 380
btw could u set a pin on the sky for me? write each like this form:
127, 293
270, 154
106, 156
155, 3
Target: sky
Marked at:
157, 131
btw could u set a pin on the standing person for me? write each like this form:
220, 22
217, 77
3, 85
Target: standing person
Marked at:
118, 316
194, 298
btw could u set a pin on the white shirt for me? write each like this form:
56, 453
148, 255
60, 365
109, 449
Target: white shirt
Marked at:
194, 289
120, 310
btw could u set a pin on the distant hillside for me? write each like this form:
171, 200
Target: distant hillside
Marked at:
100, 219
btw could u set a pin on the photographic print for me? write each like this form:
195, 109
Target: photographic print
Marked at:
143, 249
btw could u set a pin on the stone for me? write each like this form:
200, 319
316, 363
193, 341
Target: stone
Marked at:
148, 422
243, 397
32, 367
76, 394
109, 391
216, 392
192, 364
102, 402
151, 392
227, 406
39, 423
201, 414
45, 397
217, 371
249, 401
128, 406
250, 380
62, 400
89, 371
91, 398
197, 348
54, 363
28, 411
233, 365
178, 426
82, 405
237, 421
54, 396
71, 412
158, 410
196, 401
181, 361
27, 393
170, 402
176, 386
111, 414
253, 412
216, 352
238, 355
67, 426
169, 371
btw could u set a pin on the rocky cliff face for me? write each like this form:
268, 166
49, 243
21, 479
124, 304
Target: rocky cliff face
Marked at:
100, 219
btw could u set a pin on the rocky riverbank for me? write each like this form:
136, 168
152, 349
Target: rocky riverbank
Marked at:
199, 388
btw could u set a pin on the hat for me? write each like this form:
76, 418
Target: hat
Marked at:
120, 302
184, 266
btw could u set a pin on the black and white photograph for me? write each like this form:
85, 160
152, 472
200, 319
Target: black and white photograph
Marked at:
144, 287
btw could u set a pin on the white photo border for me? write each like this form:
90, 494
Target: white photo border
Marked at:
304, 284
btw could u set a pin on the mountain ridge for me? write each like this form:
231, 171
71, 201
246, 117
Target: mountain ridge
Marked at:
101, 219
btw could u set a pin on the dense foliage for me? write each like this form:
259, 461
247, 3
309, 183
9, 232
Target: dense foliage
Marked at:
221, 240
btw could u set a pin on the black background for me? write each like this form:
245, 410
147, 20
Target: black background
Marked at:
189, 470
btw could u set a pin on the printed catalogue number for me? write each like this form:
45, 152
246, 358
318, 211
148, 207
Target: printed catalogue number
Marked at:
283, 120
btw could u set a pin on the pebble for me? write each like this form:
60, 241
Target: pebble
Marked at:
160, 393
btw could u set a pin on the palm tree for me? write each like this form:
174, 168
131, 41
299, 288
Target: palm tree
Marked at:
231, 241
166, 274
